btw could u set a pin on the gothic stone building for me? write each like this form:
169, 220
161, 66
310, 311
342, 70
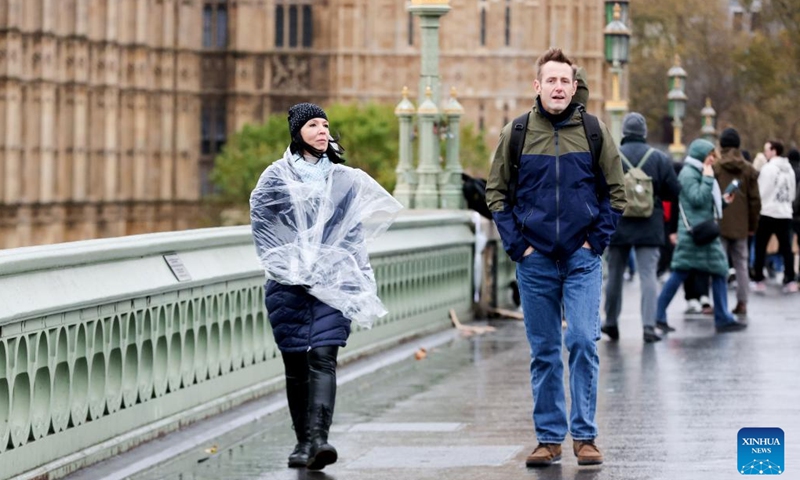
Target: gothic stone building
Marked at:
111, 111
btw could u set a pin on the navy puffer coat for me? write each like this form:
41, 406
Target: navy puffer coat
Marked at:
300, 321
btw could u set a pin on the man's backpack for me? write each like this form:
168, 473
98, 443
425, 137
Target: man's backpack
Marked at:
591, 127
638, 188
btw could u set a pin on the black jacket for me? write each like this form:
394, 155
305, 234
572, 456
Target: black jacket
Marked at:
648, 231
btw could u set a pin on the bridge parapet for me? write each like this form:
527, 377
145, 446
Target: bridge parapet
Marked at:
108, 343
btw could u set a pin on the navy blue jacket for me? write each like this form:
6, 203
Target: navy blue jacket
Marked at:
556, 208
300, 321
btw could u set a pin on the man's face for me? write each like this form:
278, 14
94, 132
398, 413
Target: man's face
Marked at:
555, 87
768, 151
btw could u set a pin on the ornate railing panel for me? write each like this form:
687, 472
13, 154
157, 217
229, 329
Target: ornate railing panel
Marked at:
104, 345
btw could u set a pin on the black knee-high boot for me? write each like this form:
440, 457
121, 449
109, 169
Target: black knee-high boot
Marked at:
296, 368
322, 396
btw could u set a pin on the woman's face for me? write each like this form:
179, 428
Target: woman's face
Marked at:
711, 159
316, 133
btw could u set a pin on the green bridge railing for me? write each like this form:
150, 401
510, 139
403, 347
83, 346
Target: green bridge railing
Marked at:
105, 344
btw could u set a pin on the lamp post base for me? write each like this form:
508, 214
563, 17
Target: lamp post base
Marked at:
677, 150
616, 111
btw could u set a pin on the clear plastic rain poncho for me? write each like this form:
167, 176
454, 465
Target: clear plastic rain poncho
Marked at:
315, 234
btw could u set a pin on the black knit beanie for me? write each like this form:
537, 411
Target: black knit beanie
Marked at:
300, 114
729, 138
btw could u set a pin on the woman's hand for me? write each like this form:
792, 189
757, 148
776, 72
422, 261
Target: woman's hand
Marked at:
708, 170
728, 197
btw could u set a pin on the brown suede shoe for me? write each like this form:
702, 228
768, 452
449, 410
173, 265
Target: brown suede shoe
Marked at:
741, 309
587, 452
543, 455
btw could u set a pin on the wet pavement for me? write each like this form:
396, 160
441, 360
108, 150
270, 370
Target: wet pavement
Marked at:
669, 410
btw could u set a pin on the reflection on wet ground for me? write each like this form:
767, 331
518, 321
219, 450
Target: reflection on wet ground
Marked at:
667, 410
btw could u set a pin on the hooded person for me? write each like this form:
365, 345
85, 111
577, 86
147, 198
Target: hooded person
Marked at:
740, 218
582, 92
311, 218
700, 202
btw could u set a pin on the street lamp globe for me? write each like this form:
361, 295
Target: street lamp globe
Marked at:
617, 38
709, 129
677, 106
677, 96
677, 103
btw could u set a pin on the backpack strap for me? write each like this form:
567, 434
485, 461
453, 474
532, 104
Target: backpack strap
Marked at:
625, 160
645, 157
594, 135
591, 126
641, 162
515, 145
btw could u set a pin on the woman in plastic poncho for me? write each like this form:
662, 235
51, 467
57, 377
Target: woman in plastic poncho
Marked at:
311, 218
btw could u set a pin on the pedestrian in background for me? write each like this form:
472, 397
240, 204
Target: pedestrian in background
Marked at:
700, 201
643, 233
777, 185
740, 218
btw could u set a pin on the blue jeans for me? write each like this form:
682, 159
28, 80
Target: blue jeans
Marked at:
545, 285
719, 288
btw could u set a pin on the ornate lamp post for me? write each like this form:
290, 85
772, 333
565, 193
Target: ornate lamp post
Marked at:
406, 177
709, 129
429, 13
617, 50
431, 180
450, 179
677, 106
427, 194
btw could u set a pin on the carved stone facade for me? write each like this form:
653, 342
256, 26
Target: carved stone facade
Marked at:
98, 118
111, 111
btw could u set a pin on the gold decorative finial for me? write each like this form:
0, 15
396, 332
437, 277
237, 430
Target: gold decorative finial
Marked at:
708, 101
453, 108
677, 60
617, 11
405, 107
427, 107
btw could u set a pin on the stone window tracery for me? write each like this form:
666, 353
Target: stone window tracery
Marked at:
215, 24
294, 24
508, 23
